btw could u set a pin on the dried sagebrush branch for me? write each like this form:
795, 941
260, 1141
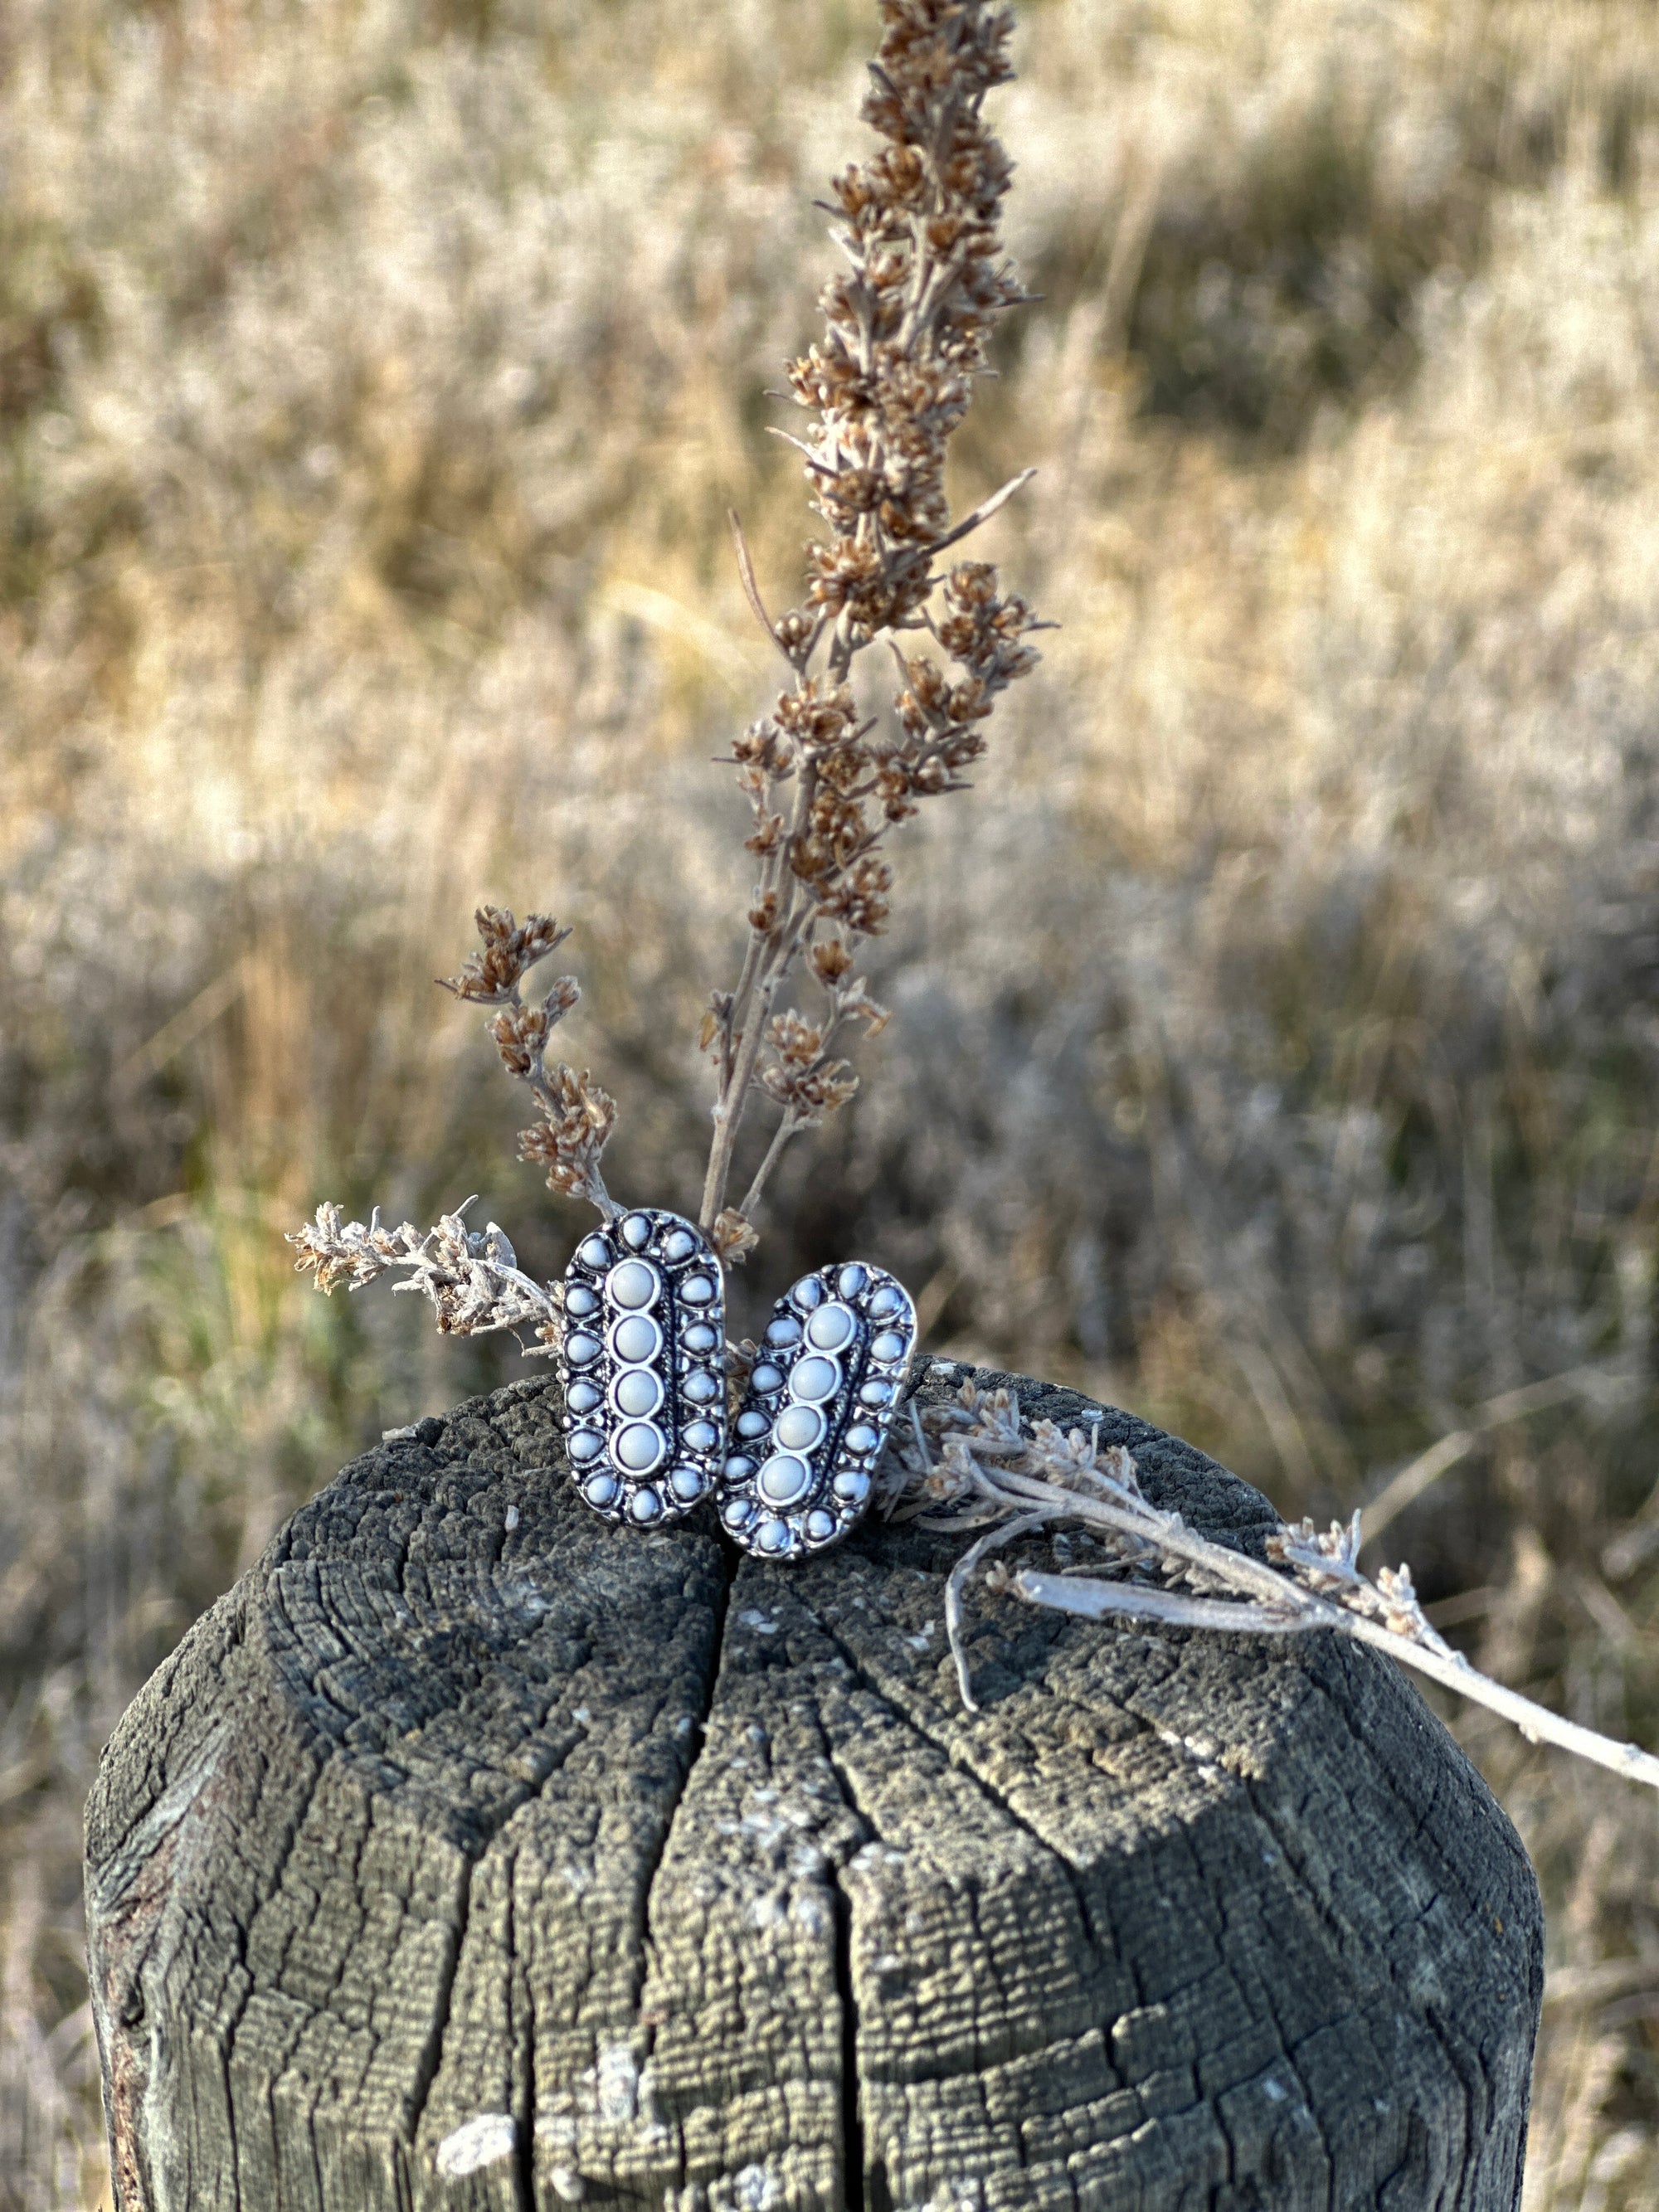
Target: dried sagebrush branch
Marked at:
473, 1278
973, 1463
904, 339
577, 1116
905, 328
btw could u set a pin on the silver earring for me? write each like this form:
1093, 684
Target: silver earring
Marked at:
820, 1401
644, 1368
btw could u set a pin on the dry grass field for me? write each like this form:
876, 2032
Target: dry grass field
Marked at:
1277, 1037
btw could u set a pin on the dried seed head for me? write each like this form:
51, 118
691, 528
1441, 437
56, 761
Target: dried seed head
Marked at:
579, 1118
809, 1094
521, 1032
491, 976
732, 1237
855, 1004
889, 380
858, 901
796, 1042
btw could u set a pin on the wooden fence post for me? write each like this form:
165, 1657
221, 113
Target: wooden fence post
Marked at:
451, 1863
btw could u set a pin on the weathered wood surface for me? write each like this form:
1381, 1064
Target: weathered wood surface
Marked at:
444, 1865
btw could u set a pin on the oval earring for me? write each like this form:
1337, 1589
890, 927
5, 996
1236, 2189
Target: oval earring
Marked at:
644, 1368
815, 1417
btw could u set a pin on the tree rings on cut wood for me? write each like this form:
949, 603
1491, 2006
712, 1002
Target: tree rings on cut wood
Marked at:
447, 1863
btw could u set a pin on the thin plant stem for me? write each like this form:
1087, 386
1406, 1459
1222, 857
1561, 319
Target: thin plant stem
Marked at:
992, 1467
1093, 1599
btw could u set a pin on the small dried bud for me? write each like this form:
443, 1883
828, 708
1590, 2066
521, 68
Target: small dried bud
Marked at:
764, 915
521, 1032
491, 976
797, 1043
830, 960
732, 1237
579, 1118
855, 1004
858, 901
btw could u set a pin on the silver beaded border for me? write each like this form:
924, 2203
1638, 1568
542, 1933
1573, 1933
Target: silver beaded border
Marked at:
644, 1368
788, 1489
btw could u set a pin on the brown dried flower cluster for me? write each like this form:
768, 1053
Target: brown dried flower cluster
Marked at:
577, 1116
473, 1279
904, 339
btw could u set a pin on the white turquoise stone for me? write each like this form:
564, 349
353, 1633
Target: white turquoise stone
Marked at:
890, 1344
851, 1280
785, 1329
754, 1423
585, 1444
852, 1486
696, 1290
832, 1327
815, 1378
679, 1244
582, 1397
699, 1387
700, 1435
861, 1438
800, 1429
632, 1285
700, 1337
820, 1525
600, 1490
595, 1252
637, 1231
638, 1447
581, 1350
773, 1536
644, 1506
785, 1479
637, 1391
688, 1483
581, 1300
765, 1377
636, 1339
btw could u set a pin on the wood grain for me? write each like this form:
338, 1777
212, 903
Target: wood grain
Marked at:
448, 1865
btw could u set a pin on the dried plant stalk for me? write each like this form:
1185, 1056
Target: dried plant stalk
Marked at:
473, 1278
904, 339
973, 1464
577, 1116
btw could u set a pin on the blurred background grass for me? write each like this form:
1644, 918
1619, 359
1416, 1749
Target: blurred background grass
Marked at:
1278, 1028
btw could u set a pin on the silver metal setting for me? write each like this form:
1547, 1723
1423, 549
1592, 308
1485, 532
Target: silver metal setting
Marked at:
815, 1418
644, 1368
